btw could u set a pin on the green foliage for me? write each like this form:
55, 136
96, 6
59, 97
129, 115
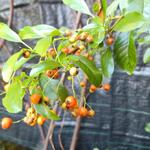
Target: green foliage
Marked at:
131, 15
46, 112
8, 34
78, 5
13, 101
107, 63
129, 22
89, 68
43, 66
9, 66
96, 29
43, 45
125, 52
53, 89
38, 31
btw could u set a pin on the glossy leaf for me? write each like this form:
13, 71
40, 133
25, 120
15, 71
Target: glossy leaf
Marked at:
53, 89
146, 58
42, 46
9, 66
146, 11
107, 63
129, 22
45, 111
38, 31
19, 63
78, 5
14, 96
125, 52
43, 66
96, 29
8, 34
131, 6
89, 68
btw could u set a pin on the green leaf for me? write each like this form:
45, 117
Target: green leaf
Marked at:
107, 63
9, 66
13, 99
146, 58
146, 11
38, 31
44, 110
43, 66
129, 22
78, 5
89, 68
132, 6
8, 34
43, 45
53, 89
125, 52
22, 61
147, 127
112, 8
96, 29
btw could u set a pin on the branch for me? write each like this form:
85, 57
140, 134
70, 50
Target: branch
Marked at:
52, 125
78, 121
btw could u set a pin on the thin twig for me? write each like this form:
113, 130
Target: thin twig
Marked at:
52, 125
78, 121
41, 133
10, 19
60, 132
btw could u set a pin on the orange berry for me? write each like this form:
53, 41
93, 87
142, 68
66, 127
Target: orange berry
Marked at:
71, 102
106, 87
51, 52
91, 113
82, 84
81, 47
110, 41
68, 33
26, 54
92, 88
35, 98
77, 53
83, 111
6, 123
89, 39
41, 120
65, 50
83, 36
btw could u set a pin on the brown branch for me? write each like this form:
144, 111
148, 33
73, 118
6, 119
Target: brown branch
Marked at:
10, 19
60, 132
41, 132
78, 120
52, 123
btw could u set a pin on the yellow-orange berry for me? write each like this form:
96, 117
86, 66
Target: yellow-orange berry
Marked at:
6, 123
35, 98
